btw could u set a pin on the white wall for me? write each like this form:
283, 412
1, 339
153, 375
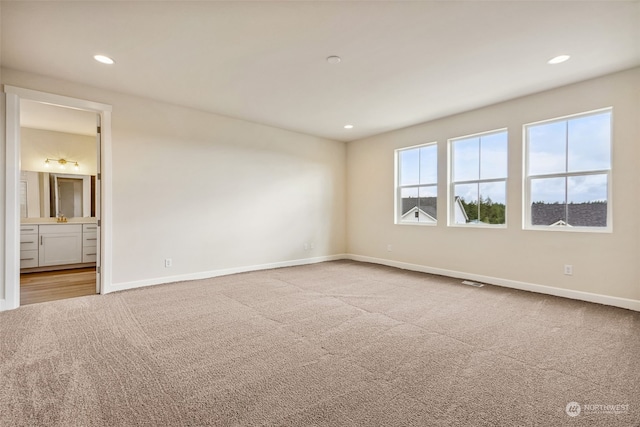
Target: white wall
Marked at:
36, 145
603, 263
2, 172
211, 192
215, 193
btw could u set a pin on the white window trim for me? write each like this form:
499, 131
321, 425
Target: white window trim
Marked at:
397, 189
451, 184
526, 183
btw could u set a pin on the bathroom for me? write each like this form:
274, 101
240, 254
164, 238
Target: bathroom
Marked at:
58, 200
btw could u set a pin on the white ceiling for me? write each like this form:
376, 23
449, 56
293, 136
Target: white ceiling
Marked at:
402, 62
37, 115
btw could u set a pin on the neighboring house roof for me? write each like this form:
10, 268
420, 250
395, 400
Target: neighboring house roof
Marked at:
428, 205
575, 215
411, 214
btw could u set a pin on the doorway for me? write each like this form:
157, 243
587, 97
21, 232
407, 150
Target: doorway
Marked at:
59, 150
63, 223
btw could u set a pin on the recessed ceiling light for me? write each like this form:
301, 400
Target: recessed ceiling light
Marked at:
348, 126
104, 59
558, 59
334, 60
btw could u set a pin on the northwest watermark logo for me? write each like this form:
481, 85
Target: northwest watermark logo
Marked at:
573, 409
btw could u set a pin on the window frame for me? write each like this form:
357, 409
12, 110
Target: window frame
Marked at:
451, 198
526, 200
398, 188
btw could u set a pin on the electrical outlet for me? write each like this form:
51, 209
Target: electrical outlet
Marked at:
389, 248
568, 269
306, 246
168, 262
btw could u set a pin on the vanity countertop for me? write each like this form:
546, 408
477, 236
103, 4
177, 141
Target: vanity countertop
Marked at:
78, 220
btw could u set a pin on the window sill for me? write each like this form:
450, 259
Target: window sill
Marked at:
597, 230
484, 226
420, 224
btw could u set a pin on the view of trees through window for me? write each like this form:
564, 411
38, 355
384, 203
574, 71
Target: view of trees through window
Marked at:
479, 177
485, 211
567, 173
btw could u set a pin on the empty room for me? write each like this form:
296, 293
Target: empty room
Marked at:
320, 213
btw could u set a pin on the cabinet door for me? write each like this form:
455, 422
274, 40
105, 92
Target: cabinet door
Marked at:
60, 248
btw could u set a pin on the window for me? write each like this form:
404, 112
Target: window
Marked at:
417, 190
479, 179
568, 163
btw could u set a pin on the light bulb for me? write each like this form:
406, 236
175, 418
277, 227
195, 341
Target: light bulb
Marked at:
104, 59
46, 163
558, 59
76, 166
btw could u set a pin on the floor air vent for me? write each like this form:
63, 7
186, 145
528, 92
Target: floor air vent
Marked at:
470, 283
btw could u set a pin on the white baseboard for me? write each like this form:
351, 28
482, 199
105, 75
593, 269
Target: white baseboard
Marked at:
216, 273
6, 304
542, 289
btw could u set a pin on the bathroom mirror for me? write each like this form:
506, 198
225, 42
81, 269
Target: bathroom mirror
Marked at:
47, 195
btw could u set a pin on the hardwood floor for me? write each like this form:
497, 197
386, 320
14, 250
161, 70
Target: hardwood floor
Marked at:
55, 285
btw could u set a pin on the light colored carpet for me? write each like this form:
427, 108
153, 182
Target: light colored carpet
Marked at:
333, 344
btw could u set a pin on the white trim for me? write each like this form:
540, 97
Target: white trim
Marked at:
224, 272
53, 99
527, 177
397, 188
106, 203
627, 303
570, 116
13, 95
451, 183
531, 287
12, 203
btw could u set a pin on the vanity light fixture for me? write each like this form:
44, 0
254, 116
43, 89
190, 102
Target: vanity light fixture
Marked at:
62, 163
558, 59
348, 126
104, 59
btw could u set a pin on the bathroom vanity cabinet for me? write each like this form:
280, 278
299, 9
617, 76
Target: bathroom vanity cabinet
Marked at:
53, 244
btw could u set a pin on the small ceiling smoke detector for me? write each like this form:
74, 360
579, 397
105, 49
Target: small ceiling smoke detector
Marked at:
348, 126
334, 60
104, 59
558, 59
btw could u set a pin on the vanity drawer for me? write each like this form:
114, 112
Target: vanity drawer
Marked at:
87, 228
28, 242
89, 254
90, 239
60, 228
29, 229
29, 259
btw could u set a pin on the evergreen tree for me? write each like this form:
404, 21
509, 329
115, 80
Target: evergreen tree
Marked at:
485, 211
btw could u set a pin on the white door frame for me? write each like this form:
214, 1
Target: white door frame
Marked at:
13, 95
